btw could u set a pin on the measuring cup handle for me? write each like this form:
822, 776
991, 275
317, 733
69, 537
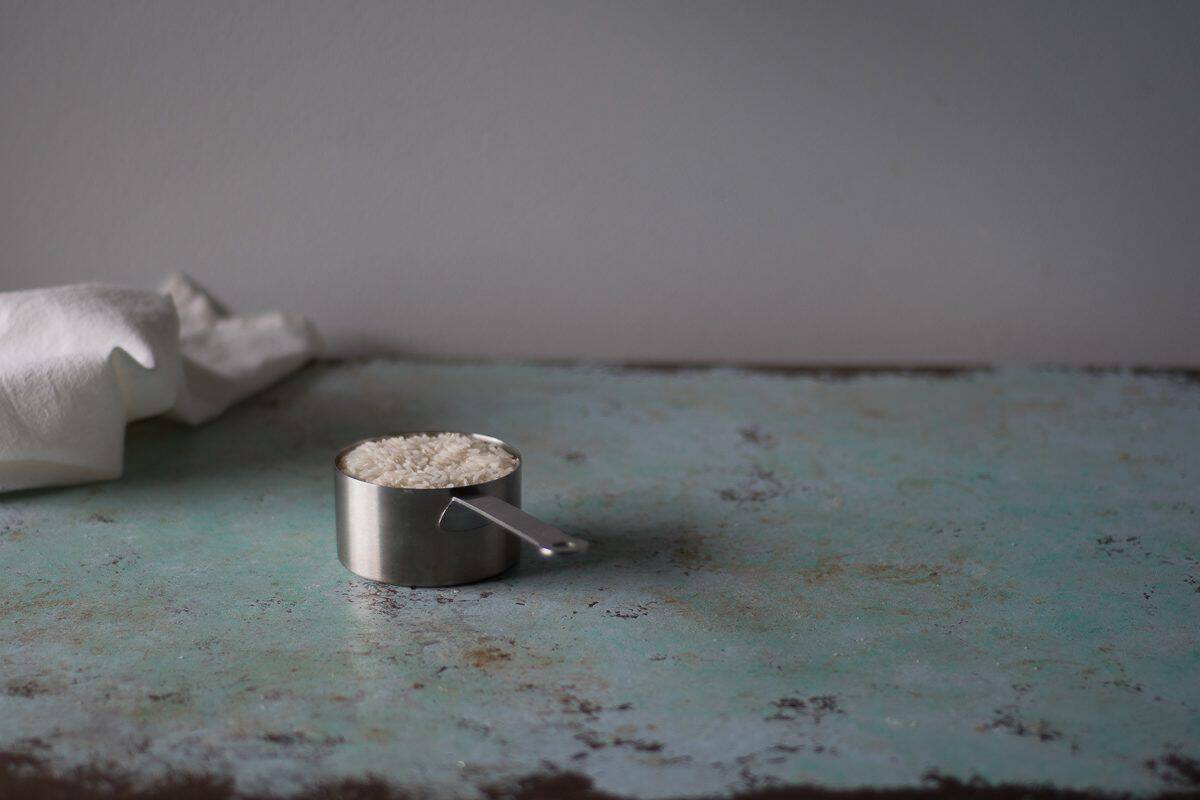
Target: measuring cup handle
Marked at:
548, 539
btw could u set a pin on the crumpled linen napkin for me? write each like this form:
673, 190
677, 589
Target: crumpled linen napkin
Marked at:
79, 362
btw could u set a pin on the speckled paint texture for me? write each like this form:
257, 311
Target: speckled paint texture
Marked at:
792, 580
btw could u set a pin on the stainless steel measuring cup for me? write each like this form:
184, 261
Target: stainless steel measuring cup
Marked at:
437, 537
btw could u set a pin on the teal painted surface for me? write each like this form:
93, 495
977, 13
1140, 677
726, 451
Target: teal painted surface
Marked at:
792, 580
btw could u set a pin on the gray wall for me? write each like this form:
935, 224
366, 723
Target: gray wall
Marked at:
751, 181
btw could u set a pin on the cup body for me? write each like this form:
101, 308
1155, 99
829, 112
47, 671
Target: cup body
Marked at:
393, 535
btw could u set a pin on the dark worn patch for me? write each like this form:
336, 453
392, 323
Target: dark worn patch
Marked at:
592, 740
633, 612
759, 486
1120, 545
1007, 719
29, 688
691, 551
1176, 769
377, 597
168, 697
26, 776
486, 655
813, 708
642, 745
598, 742
756, 436
288, 738
573, 704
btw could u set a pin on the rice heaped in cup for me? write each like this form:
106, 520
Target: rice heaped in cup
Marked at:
428, 461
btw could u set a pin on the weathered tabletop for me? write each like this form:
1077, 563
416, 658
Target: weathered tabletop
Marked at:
793, 580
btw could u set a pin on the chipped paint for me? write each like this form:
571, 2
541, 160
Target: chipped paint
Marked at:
794, 581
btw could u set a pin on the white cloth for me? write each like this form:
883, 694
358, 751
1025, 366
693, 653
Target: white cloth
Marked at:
79, 362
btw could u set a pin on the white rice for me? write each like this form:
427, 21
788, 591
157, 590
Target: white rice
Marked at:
428, 461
